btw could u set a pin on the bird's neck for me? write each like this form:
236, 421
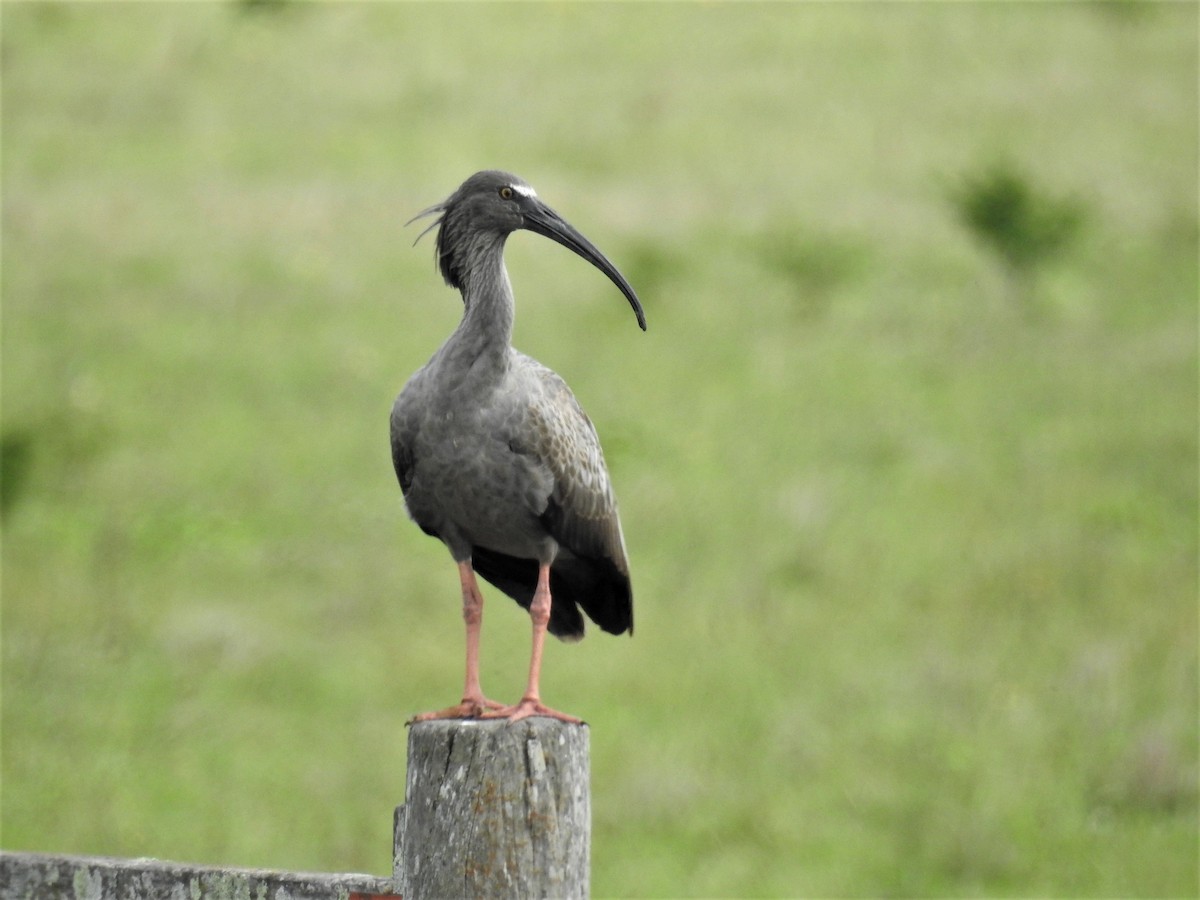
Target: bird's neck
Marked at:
481, 342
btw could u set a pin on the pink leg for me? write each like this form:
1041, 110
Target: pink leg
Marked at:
531, 703
473, 703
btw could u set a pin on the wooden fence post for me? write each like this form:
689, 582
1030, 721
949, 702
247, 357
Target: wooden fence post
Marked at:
495, 810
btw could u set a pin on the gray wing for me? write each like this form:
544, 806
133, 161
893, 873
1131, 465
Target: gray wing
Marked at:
591, 570
403, 431
582, 510
403, 428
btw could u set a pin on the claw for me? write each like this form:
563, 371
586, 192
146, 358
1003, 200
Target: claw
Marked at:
530, 706
470, 708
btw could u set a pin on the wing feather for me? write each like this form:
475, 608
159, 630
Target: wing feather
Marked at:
581, 511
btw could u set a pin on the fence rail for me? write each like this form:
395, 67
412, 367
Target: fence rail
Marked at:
36, 876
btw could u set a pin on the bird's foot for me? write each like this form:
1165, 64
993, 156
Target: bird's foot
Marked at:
470, 708
529, 706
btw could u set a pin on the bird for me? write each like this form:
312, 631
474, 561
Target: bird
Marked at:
495, 456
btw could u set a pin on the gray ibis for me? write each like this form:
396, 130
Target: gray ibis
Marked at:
495, 456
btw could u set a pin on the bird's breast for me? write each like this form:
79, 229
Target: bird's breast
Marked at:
468, 480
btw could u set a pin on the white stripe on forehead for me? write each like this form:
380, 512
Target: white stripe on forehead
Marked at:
524, 190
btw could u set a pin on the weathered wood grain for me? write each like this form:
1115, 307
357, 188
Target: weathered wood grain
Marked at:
495, 810
35, 876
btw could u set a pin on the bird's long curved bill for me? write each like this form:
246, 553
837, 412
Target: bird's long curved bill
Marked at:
546, 222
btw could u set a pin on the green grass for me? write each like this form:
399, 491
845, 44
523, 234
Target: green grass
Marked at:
916, 572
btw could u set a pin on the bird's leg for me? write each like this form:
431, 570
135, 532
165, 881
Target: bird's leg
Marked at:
473, 703
531, 703
473, 617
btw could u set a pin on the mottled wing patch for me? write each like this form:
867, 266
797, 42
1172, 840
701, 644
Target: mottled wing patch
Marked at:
582, 511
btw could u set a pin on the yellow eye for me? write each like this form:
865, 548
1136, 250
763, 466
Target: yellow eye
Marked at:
506, 193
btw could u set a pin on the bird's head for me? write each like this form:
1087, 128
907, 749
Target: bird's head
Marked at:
491, 205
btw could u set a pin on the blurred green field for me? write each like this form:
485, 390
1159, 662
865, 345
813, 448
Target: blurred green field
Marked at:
915, 564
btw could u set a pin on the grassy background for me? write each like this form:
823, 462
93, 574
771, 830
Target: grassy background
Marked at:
916, 567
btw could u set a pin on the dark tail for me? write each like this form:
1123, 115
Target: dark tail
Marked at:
595, 585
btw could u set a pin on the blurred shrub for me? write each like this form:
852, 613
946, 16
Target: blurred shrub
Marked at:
16, 455
815, 265
1024, 226
254, 6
